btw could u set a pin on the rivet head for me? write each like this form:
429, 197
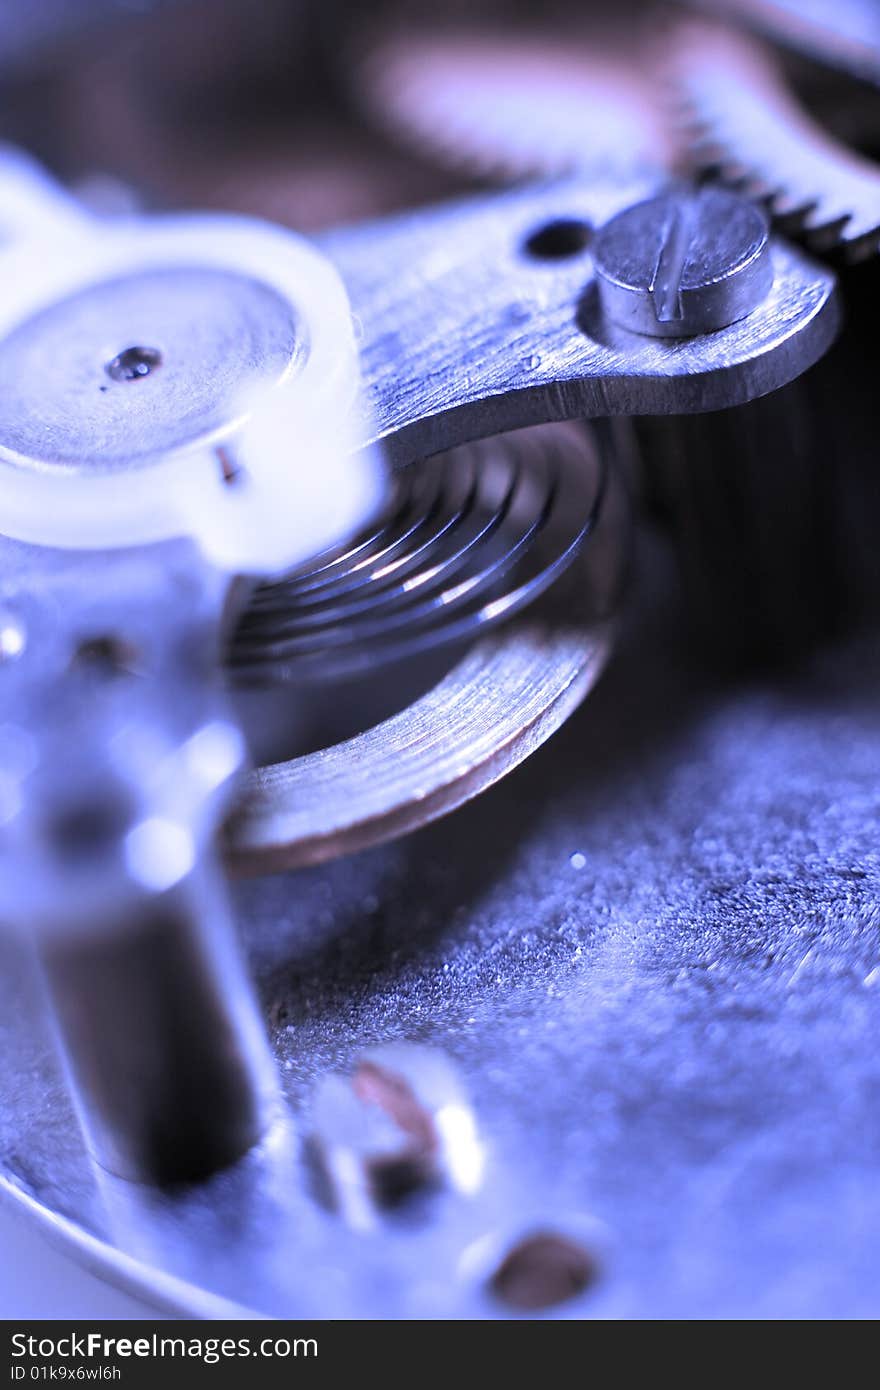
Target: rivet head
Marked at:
684, 263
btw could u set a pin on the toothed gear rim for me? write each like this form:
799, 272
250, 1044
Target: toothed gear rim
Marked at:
747, 128
503, 105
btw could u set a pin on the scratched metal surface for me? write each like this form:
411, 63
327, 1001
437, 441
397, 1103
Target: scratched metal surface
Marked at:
670, 1048
464, 334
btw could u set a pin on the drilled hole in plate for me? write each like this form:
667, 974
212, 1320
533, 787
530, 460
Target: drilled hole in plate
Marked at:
86, 828
133, 363
107, 655
542, 1270
559, 239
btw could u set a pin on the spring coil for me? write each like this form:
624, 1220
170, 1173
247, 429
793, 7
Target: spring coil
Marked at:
468, 538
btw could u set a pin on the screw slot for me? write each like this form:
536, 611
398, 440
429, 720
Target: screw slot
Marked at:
559, 240
133, 363
683, 263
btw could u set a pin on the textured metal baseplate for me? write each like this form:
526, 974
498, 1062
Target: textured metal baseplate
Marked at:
669, 1038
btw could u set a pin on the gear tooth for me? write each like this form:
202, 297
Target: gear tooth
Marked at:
765, 193
822, 235
831, 203
706, 144
788, 204
862, 248
861, 235
791, 225
736, 176
712, 171
756, 190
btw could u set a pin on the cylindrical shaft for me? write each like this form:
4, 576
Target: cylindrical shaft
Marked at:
158, 1027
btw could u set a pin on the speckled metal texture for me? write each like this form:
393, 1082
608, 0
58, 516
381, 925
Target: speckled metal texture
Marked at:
652, 953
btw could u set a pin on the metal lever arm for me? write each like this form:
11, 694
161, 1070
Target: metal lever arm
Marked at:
483, 316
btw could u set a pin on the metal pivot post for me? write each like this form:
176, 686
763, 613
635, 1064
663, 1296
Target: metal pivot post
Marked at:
119, 761
159, 380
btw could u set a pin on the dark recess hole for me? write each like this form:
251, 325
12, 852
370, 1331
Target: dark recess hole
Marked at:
107, 655
543, 1270
86, 829
133, 363
557, 240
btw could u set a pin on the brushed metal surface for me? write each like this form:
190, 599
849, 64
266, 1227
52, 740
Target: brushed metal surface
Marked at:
464, 333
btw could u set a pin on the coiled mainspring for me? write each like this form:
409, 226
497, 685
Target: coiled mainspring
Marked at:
469, 538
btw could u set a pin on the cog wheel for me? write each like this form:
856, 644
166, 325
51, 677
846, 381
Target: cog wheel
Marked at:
508, 104
747, 127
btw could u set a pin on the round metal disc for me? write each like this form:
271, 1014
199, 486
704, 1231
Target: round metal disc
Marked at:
494, 708
134, 366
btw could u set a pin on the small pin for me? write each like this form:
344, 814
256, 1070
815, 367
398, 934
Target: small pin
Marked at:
229, 469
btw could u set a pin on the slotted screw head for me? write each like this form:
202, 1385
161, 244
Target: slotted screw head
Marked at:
684, 263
